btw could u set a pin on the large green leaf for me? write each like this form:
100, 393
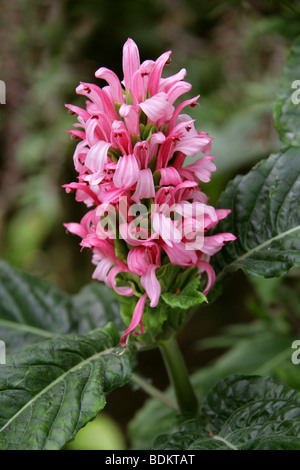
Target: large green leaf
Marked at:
241, 412
53, 388
267, 353
32, 309
237, 392
286, 108
265, 218
265, 203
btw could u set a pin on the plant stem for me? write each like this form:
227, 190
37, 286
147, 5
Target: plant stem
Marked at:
154, 392
179, 377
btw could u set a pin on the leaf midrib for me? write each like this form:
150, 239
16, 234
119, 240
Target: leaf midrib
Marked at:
258, 248
52, 384
30, 329
226, 442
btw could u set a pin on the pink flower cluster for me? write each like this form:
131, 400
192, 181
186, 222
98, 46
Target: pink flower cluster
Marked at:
134, 142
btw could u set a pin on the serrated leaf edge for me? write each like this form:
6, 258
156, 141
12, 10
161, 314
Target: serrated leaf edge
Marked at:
52, 384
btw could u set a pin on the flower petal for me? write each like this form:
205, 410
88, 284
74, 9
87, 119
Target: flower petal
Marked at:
145, 186
114, 83
151, 285
127, 172
169, 176
158, 108
211, 275
131, 61
131, 116
136, 319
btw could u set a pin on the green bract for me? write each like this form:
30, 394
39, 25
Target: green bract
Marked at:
180, 295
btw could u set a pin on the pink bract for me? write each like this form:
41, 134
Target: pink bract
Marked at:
134, 141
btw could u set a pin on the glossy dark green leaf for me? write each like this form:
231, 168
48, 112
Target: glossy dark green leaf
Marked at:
32, 309
238, 393
53, 388
287, 106
267, 353
241, 413
265, 218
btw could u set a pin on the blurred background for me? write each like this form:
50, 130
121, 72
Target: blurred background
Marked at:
234, 53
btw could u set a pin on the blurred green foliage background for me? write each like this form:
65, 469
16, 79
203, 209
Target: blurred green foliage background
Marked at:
234, 53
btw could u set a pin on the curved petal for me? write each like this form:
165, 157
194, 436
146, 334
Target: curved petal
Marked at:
169, 176
97, 156
76, 229
166, 83
214, 243
178, 109
114, 83
158, 108
141, 151
151, 285
127, 172
155, 75
102, 269
111, 282
211, 275
178, 254
131, 116
177, 90
136, 320
165, 227
145, 186
131, 61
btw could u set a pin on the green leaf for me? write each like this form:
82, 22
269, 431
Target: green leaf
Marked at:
189, 297
167, 276
286, 107
236, 392
96, 305
52, 389
267, 353
241, 412
265, 218
154, 319
265, 211
32, 309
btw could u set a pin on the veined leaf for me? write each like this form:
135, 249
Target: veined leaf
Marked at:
266, 354
265, 218
238, 392
189, 297
286, 107
241, 413
52, 389
32, 309
265, 203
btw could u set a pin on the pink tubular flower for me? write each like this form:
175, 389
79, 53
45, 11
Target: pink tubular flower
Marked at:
134, 142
